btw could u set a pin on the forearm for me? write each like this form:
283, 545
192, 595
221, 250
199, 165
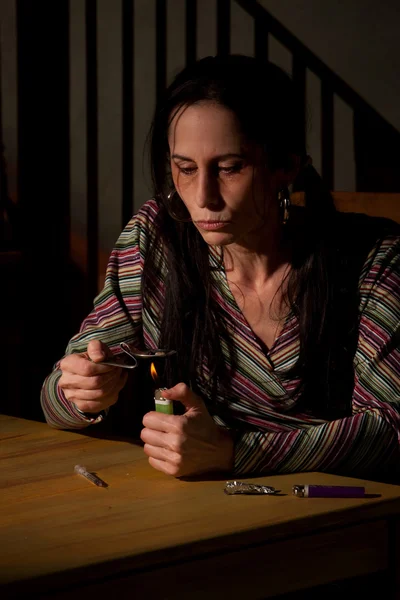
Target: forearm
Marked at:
357, 445
58, 411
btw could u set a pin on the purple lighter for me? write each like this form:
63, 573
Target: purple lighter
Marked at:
328, 491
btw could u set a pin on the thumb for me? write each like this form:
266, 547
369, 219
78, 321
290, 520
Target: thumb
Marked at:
183, 394
98, 351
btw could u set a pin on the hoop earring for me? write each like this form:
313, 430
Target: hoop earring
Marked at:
171, 194
179, 214
284, 205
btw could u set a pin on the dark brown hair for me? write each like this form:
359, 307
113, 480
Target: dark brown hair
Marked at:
265, 101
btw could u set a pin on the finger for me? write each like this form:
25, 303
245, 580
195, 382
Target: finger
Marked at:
95, 382
110, 390
155, 438
79, 364
91, 407
89, 395
182, 393
162, 454
101, 381
162, 422
164, 466
98, 351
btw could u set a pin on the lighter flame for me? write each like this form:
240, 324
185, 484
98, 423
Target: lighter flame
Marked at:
153, 372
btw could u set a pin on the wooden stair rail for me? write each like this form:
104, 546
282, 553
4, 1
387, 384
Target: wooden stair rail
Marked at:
373, 204
332, 85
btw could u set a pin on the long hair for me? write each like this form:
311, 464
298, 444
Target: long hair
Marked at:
265, 102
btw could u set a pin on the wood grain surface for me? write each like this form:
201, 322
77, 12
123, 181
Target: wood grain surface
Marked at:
58, 529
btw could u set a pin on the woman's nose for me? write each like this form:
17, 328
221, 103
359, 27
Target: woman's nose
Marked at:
207, 192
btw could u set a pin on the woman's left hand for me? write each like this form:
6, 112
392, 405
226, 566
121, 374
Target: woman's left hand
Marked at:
188, 444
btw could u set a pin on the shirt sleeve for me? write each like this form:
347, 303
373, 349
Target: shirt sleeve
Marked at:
116, 316
368, 442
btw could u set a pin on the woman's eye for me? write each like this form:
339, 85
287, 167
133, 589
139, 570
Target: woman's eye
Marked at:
231, 169
227, 170
187, 170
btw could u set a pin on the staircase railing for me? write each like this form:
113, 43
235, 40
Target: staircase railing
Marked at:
304, 59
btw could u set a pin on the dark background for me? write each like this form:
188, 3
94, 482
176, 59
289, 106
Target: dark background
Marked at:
79, 81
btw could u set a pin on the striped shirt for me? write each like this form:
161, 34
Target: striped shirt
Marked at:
272, 435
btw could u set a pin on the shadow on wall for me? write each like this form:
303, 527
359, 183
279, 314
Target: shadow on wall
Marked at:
79, 257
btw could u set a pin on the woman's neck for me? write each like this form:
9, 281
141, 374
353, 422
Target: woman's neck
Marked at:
257, 263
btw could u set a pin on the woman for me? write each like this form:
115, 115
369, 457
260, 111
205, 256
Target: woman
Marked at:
285, 320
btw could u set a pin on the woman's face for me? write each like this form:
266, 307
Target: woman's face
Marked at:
222, 180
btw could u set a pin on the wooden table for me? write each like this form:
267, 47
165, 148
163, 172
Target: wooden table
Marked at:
152, 536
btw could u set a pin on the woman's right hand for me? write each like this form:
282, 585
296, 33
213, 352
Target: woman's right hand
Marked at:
91, 386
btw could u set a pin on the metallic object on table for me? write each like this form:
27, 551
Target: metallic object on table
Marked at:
239, 487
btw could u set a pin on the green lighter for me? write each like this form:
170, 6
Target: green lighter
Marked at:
163, 405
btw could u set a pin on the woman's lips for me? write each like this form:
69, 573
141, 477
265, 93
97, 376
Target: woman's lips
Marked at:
212, 225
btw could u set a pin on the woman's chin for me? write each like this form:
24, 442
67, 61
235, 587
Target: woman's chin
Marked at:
217, 238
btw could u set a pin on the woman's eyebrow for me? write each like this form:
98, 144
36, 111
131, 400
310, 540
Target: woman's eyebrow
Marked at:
220, 157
